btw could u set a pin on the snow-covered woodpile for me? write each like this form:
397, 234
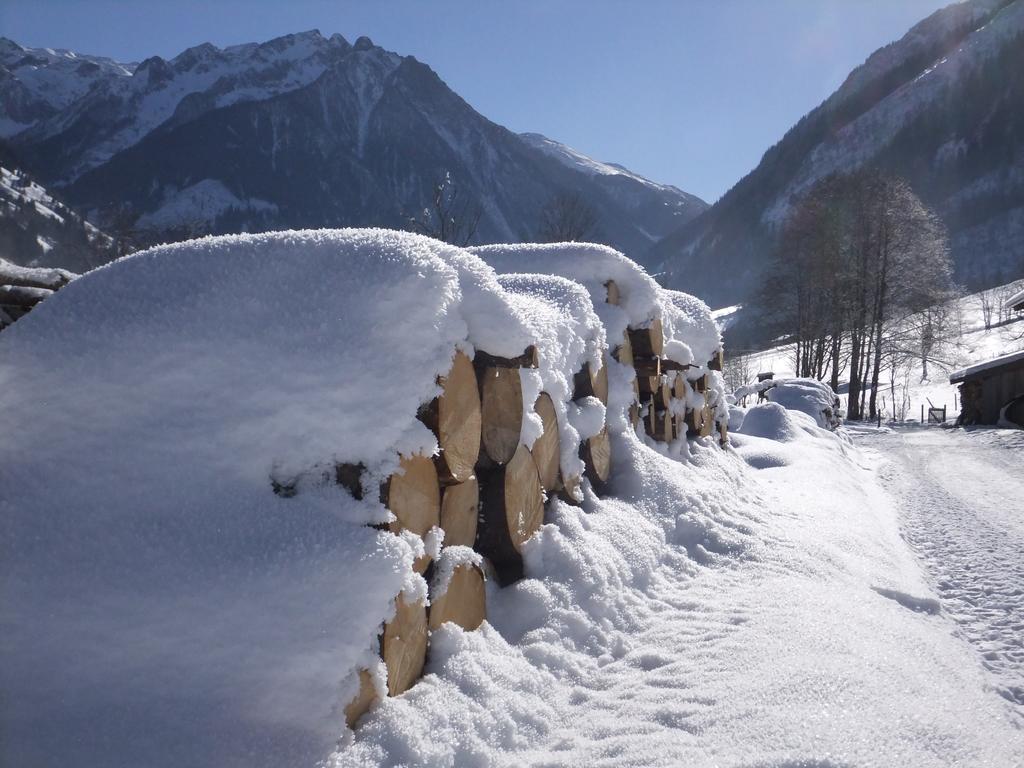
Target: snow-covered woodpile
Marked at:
415, 409
21, 288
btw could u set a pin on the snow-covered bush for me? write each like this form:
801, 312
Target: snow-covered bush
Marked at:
810, 396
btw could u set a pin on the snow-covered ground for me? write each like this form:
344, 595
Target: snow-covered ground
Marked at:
723, 611
961, 500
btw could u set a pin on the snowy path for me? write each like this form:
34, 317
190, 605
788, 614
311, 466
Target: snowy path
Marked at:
961, 496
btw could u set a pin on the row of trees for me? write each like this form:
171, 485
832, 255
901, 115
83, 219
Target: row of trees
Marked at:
860, 279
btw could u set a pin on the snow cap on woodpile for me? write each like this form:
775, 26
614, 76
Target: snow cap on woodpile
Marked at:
151, 401
561, 316
592, 266
688, 322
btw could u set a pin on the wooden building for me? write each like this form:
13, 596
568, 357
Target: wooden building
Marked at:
987, 388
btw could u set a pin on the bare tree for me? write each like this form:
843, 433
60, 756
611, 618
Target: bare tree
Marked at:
567, 217
450, 216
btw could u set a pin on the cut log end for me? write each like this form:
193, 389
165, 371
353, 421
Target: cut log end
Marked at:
459, 508
364, 699
624, 352
501, 401
465, 601
458, 421
546, 449
597, 458
512, 510
404, 645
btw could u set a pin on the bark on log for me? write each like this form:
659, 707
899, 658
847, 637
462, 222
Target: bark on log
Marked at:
512, 509
659, 425
460, 506
596, 453
647, 366
648, 342
715, 364
404, 645
587, 383
349, 476
414, 497
454, 418
365, 698
529, 359
612, 295
634, 414
701, 384
672, 365
624, 352
501, 404
648, 384
723, 433
662, 396
546, 450
465, 602
694, 422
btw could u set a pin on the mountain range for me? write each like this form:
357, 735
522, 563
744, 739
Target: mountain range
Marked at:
942, 107
301, 131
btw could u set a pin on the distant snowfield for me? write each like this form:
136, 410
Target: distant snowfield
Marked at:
714, 614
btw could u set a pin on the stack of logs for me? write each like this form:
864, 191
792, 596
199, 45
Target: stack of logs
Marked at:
487, 491
660, 387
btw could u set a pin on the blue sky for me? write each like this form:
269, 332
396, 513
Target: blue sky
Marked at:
687, 93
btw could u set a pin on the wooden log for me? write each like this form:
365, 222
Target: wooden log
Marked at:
465, 601
723, 433
672, 365
662, 427
596, 453
350, 477
512, 509
636, 389
679, 387
649, 341
612, 292
662, 396
404, 645
529, 359
414, 498
588, 383
715, 364
364, 699
501, 410
694, 422
648, 384
570, 489
460, 506
546, 450
647, 366
707, 423
454, 418
701, 384
623, 353
634, 414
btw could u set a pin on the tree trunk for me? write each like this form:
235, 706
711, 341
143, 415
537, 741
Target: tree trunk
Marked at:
460, 506
501, 405
404, 645
454, 418
465, 601
512, 510
546, 450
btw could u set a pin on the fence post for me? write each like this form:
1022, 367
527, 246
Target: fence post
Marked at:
922, 414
